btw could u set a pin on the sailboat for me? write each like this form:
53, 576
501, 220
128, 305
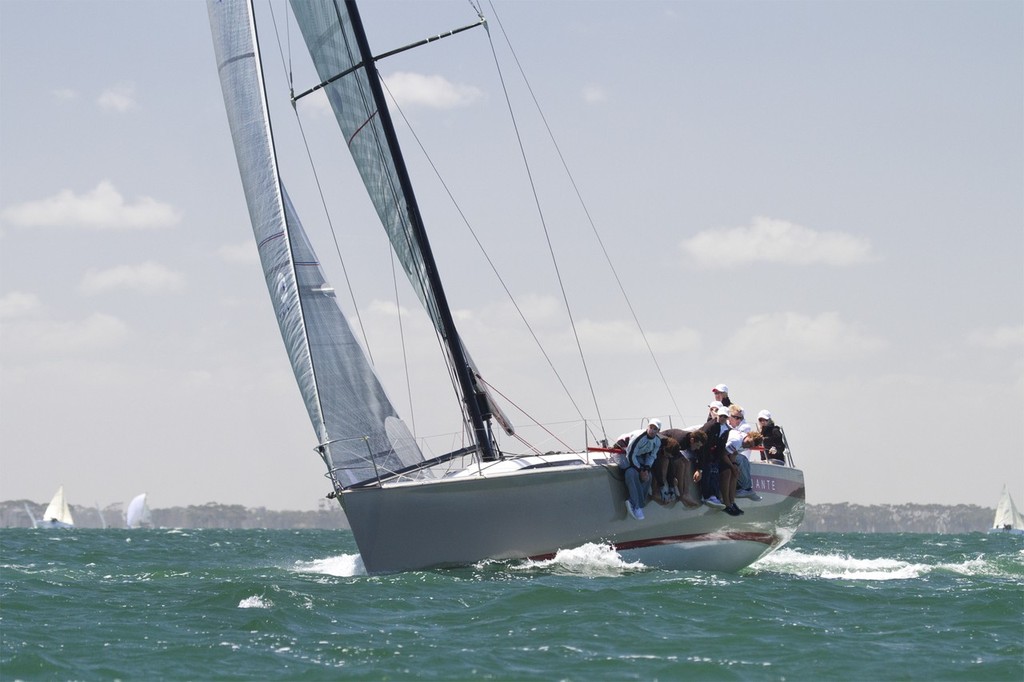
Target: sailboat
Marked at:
481, 501
57, 514
1008, 519
137, 514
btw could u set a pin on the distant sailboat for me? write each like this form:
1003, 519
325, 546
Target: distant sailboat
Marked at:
1008, 519
57, 514
137, 515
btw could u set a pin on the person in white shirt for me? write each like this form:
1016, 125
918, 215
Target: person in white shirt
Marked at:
738, 446
736, 420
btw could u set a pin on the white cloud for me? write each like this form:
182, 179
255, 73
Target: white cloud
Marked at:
47, 337
243, 252
434, 92
997, 338
147, 278
65, 94
768, 240
101, 209
795, 337
594, 94
118, 98
18, 304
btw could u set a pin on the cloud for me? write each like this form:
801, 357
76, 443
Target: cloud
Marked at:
65, 94
997, 338
48, 337
777, 241
243, 252
594, 94
18, 304
118, 98
147, 278
794, 337
433, 92
101, 209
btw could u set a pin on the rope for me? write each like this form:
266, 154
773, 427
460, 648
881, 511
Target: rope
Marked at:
485, 255
586, 211
547, 235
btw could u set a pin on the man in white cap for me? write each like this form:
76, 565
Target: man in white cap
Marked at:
775, 446
641, 451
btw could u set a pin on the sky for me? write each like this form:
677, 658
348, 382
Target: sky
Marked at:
818, 204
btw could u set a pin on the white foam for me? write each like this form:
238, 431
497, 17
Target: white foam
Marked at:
591, 559
841, 566
255, 602
344, 566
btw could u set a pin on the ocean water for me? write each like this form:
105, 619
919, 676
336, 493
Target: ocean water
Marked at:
282, 605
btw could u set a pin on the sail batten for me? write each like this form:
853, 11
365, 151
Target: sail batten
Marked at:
357, 428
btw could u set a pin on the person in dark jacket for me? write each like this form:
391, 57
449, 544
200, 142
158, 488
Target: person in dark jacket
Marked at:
714, 464
775, 446
677, 466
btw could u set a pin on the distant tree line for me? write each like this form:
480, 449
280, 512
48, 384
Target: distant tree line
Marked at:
819, 518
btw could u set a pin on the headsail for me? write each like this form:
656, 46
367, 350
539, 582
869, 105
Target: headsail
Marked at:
58, 509
358, 429
337, 45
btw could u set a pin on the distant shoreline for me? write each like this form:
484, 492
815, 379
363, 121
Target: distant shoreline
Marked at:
819, 518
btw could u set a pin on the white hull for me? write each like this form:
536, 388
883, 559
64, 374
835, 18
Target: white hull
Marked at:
53, 523
534, 513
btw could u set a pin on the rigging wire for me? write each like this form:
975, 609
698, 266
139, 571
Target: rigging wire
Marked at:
547, 234
483, 251
286, 63
583, 204
401, 335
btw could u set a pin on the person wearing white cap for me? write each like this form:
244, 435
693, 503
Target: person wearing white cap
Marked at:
713, 407
775, 446
721, 392
641, 451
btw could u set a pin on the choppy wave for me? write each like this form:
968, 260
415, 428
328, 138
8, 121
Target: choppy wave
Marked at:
839, 566
591, 559
343, 566
255, 602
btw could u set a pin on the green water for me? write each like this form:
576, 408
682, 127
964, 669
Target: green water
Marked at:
269, 605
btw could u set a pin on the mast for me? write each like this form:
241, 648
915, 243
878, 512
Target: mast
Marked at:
470, 396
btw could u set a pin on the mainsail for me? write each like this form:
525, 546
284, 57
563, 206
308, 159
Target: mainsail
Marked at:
337, 44
58, 509
1007, 515
359, 432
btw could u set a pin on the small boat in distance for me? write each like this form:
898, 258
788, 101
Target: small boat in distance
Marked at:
137, 515
57, 514
1008, 518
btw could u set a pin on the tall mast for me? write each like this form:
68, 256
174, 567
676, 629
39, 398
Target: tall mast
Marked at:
467, 382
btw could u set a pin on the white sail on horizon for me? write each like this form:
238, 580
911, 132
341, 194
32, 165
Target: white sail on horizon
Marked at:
138, 512
58, 512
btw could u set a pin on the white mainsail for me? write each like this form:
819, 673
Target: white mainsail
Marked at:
138, 512
1008, 517
58, 512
